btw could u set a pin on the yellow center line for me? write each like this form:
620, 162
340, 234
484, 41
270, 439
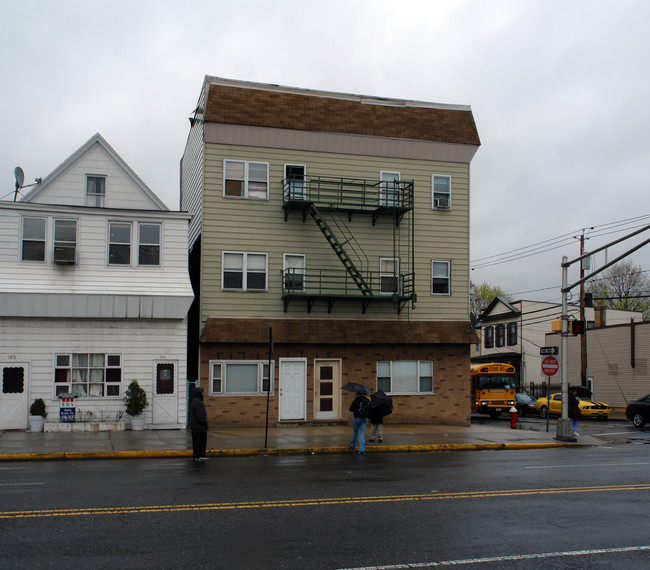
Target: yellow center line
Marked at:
87, 511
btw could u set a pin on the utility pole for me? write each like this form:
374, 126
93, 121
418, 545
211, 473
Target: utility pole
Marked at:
583, 337
564, 430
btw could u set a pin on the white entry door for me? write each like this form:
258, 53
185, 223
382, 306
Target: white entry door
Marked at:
13, 395
165, 393
293, 387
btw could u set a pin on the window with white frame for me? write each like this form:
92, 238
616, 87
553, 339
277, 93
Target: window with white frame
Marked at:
119, 243
95, 191
294, 181
65, 232
388, 275
440, 277
149, 244
94, 375
240, 377
294, 272
120, 239
243, 179
405, 376
65, 240
441, 192
33, 242
389, 188
244, 271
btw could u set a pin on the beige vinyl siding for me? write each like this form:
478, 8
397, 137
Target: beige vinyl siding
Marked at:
609, 363
230, 225
192, 175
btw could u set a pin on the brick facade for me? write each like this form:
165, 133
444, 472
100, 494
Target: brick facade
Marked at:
450, 403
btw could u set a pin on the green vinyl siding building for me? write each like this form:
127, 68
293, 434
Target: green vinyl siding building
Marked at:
340, 225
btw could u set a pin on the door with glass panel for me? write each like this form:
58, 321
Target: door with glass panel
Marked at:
13, 395
294, 180
294, 272
165, 401
327, 389
389, 190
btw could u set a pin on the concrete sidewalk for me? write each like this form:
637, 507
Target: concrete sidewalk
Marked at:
284, 440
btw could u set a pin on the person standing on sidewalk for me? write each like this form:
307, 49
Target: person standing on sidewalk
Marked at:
360, 408
574, 410
198, 425
377, 423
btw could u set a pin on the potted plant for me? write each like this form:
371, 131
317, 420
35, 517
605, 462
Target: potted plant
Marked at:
136, 401
37, 415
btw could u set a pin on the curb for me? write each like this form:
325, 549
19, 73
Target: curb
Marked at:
79, 455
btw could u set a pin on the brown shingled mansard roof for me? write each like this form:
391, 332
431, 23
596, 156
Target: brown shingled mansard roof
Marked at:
287, 108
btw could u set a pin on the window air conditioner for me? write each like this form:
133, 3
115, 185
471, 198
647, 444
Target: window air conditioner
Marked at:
64, 254
441, 203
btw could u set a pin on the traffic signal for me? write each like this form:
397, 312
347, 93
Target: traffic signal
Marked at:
577, 327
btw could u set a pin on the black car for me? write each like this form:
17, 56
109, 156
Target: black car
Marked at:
525, 404
639, 411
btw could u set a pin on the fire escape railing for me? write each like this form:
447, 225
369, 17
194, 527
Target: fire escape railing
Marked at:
380, 198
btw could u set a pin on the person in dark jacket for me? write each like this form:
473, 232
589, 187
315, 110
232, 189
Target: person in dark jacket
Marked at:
198, 425
377, 423
574, 409
358, 405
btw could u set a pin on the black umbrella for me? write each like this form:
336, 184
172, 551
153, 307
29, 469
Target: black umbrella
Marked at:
381, 404
356, 387
581, 391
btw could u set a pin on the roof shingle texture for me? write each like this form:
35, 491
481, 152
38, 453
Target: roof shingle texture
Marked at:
335, 331
262, 108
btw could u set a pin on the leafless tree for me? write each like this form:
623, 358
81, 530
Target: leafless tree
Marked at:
623, 286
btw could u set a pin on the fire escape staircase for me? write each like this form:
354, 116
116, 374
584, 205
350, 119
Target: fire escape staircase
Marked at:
344, 196
337, 246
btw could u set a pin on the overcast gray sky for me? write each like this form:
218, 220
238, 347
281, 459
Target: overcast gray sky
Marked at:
559, 90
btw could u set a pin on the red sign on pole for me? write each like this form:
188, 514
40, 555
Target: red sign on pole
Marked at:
550, 366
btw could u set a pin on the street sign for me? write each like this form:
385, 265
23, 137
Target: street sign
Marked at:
544, 350
550, 366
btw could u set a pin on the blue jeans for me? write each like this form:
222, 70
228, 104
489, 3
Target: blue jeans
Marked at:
574, 425
359, 428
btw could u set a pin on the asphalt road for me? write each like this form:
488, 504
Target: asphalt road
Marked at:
578, 507
616, 431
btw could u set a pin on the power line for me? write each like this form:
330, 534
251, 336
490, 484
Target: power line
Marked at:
555, 243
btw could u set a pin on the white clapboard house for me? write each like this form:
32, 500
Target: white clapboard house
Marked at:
94, 293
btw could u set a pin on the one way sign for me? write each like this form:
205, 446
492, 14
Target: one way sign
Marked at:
546, 350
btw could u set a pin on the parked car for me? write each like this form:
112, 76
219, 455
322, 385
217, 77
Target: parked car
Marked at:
639, 411
588, 408
526, 404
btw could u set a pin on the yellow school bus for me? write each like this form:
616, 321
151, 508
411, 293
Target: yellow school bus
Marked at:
494, 385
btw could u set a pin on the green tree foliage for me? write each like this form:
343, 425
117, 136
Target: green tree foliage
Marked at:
623, 286
482, 295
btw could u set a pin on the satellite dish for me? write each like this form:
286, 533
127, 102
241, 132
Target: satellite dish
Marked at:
20, 177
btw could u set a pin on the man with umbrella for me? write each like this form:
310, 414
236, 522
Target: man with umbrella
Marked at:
380, 405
